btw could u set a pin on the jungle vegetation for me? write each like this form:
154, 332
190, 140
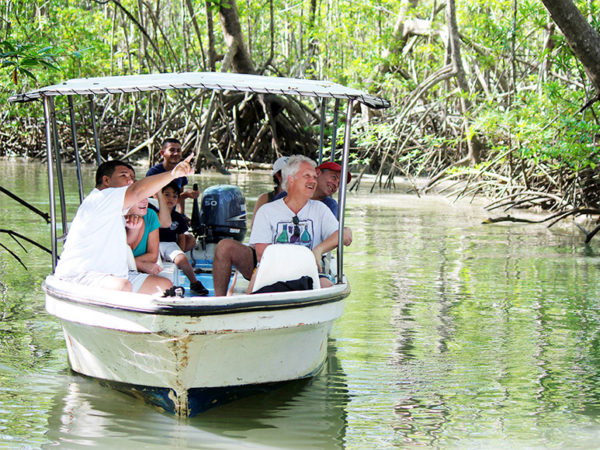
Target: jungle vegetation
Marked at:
495, 97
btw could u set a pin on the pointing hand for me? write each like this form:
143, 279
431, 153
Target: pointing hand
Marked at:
184, 167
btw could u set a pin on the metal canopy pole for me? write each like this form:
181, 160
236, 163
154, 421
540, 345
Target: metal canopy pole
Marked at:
93, 114
59, 176
75, 146
322, 131
49, 106
342, 193
336, 111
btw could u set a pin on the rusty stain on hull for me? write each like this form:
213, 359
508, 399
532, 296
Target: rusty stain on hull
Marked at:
179, 393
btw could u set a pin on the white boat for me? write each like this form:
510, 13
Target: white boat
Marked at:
188, 354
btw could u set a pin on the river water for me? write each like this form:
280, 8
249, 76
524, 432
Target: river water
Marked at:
456, 334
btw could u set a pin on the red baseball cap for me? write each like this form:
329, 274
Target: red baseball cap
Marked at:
329, 165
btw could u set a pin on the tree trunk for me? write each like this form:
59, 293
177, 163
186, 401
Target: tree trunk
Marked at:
473, 142
190, 8
547, 61
403, 29
230, 20
579, 34
312, 48
210, 30
399, 37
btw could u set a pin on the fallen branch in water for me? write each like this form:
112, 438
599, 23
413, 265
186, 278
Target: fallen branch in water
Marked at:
508, 219
44, 215
513, 200
15, 235
14, 255
554, 218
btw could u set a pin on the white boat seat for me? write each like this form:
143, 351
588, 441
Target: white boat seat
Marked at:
285, 262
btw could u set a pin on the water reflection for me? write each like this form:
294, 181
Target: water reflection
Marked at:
87, 414
492, 338
303, 414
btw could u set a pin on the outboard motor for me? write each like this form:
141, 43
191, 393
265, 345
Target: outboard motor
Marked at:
222, 215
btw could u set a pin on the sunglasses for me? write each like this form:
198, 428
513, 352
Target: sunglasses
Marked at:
296, 221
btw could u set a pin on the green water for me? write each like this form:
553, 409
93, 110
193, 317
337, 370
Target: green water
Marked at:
456, 335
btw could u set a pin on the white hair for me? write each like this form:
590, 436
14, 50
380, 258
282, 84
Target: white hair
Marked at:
291, 168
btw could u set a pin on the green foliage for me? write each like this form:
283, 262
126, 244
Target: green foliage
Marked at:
48, 44
21, 59
544, 128
515, 104
215, 5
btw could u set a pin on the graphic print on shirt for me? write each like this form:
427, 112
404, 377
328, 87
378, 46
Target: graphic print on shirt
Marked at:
291, 233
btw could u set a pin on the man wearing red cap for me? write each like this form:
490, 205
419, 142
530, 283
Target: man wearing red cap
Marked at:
328, 182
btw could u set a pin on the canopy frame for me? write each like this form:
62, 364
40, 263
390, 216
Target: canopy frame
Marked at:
90, 87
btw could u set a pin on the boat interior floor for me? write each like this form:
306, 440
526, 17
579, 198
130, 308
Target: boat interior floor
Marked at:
204, 275
203, 270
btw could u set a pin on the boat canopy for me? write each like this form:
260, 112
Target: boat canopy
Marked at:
203, 80
216, 81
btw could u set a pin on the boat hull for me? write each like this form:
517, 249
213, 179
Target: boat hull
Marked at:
182, 354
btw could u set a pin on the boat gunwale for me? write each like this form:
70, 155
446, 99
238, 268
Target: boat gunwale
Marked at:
265, 302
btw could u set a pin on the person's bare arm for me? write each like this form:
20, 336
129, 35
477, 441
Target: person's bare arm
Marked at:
347, 236
147, 261
328, 244
181, 205
164, 215
186, 241
261, 200
146, 187
131, 237
190, 193
181, 241
147, 267
133, 223
151, 254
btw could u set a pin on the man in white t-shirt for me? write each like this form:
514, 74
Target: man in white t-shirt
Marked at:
96, 252
295, 219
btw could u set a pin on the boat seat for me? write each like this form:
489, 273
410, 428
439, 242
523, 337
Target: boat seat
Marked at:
285, 262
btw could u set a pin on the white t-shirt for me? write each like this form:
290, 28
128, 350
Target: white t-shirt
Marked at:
274, 224
97, 241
